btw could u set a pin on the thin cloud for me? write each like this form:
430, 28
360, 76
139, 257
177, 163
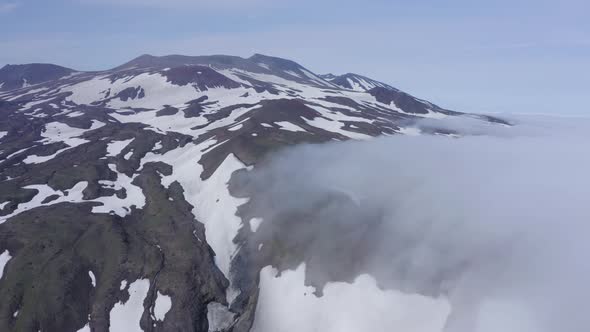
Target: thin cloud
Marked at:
201, 4
6, 7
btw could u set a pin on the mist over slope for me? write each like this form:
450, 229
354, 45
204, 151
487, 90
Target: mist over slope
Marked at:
488, 231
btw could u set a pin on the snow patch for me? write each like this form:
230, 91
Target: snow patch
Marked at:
4, 258
56, 132
354, 85
212, 203
236, 127
335, 127
410, 131
162, 306
34, 159
125, 317
86, 328
285, 125
74, 195
264, 65
292, 73
115, 147
255, 223
216, 209
121, 207
92, 278
219, 317
359, 306
74, 114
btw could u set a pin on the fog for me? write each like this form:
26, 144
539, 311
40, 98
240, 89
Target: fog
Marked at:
497, 222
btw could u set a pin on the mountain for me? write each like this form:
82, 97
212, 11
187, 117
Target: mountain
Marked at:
22, 76
121, 204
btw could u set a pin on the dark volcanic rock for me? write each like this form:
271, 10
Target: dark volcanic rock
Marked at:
402, 100
18, 76
131, 93
203, 78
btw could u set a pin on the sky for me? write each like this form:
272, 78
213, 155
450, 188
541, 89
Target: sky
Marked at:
520, 56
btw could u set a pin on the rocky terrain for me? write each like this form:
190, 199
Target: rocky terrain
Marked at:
125, 203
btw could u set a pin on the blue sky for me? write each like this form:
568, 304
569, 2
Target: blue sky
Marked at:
479, 56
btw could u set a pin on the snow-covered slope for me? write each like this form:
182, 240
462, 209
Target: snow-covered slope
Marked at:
127, 174
355, 82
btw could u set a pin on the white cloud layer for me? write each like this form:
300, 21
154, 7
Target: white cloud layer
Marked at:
497, 222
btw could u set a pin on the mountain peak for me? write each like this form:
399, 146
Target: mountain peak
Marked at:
175, 60
19, 76
275, 62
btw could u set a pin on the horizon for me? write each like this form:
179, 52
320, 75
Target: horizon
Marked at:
181, 55
484, 58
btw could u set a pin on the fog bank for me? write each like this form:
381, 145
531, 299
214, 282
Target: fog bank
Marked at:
496, 222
